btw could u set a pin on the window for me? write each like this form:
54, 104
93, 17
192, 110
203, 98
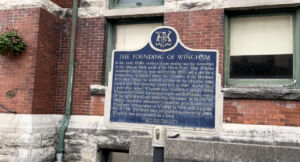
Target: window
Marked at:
128, 34
134, 3
261, 49
133, 36
114, 156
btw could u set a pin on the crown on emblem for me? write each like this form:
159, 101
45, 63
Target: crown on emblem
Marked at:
163, 39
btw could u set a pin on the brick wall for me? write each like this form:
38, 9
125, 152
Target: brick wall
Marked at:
46, 62
205, 30
89, 68
266, 112
32, 75
64, 3
39, 76
17, 73
200, 29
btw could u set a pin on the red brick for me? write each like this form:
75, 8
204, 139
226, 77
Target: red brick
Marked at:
45, 69
89, 68
17, 73
200, 29
32, 75
39, 76
266, 112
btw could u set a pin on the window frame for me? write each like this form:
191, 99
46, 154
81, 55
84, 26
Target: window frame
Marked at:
113, 5
111, 31
287, 83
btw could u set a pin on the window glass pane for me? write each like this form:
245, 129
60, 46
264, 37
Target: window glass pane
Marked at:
261, 35
136, 1
261, 47
261, 67
134, 36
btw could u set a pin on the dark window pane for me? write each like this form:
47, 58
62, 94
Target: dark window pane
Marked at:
138, 2
118, 157
261, 67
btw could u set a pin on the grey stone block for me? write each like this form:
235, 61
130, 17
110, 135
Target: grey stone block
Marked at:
72, 157
73, 149
241, 152
262, 93
284, 154
97, 89
141, 145
189, 150
43, 154
141, 150
8, 151
140, 158
48, 135
48, 142
200, 150
5, 158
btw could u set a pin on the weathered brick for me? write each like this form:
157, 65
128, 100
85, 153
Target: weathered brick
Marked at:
39, 76
17, 73
202, 29
32, 75
89, 68
45, 70
266, 112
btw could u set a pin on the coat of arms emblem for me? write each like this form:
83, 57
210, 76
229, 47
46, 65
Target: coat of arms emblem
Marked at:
163, 39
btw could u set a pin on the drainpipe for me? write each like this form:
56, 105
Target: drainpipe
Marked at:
66, 119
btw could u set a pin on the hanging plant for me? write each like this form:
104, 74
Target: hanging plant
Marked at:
11, 43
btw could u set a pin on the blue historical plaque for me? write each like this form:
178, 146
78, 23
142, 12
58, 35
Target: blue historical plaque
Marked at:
164, 83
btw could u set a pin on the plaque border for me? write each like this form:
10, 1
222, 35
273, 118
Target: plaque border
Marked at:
170, 129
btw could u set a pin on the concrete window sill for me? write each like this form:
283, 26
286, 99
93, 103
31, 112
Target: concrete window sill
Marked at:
262, 93
97, 89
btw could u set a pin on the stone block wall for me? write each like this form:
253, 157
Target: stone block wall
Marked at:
87, 136
64, 3
184, 151
28, 138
